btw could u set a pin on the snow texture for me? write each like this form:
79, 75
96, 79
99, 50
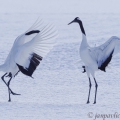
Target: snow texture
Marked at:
59, 89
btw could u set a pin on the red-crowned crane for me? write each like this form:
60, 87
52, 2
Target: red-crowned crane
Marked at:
96, 58
28, 50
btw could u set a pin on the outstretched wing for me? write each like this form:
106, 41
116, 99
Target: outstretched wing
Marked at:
103, 53
29, 34
25, 37
30, 53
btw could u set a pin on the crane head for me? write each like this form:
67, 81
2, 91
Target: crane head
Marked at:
75, 20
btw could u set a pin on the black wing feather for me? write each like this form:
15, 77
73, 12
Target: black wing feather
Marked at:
106, 62
32, 32
34, 62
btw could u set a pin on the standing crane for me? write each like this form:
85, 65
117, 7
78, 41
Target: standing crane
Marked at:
96, 58
27, 51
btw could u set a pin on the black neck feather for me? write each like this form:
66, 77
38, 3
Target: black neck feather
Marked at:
81, 27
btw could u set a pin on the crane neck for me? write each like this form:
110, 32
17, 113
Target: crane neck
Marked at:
84, 39
84, 42
81, 27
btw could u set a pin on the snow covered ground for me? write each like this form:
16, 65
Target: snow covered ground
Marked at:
59, 89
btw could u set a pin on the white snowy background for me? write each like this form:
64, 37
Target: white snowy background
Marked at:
59, 89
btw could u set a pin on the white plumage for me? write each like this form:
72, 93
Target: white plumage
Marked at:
28, 50
96, 58
103, 52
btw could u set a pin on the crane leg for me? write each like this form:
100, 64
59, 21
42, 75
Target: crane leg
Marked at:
84, 70
89, 91
7, 85
9, 92
96, 86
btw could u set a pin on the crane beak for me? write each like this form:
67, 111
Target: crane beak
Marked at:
70, 22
